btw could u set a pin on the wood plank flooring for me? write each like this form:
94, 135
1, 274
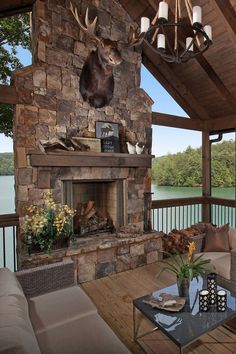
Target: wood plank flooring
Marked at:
113, 297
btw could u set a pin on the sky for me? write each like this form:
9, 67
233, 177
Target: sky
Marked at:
165, 140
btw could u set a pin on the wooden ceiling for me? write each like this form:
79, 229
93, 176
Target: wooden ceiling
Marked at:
205, 87
12, 7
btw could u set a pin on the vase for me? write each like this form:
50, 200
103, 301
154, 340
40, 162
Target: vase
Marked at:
183, 287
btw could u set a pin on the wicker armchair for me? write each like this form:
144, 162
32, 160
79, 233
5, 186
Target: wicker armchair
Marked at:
228, 283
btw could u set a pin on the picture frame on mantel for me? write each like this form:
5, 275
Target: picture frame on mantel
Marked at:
108, 132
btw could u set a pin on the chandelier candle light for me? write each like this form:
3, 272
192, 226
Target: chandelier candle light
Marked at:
179, 40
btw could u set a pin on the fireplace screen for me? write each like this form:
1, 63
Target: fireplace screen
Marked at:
99, 205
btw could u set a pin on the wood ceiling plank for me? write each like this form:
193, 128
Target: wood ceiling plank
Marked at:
173, 121
220, 87
226, 11
8, 94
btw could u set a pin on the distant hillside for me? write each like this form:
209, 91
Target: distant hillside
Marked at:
184, 168
6, 164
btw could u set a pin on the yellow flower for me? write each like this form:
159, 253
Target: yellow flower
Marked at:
191, 248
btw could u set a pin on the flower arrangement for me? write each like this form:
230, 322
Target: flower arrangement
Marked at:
47, 223
185, 266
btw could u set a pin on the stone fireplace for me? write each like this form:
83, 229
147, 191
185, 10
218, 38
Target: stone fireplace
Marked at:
51, 107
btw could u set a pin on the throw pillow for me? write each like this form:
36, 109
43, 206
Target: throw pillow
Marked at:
217, 239
232, 237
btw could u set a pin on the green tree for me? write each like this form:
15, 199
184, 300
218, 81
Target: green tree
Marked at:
14, 32
185, 169
6, 164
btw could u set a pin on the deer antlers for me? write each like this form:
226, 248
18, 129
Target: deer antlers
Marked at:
90, 27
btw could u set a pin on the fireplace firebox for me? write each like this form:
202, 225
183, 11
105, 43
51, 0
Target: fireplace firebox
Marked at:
100, 205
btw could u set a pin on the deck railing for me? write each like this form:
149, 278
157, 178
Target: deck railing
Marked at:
8, 241
181, 213
166, 215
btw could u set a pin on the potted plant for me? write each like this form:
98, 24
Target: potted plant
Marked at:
47, 225
186, 267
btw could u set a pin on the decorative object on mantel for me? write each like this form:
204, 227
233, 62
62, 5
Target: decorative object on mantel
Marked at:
66, 144
131, 148
167, 302
46, 224
186, 267
187, 34
108, 132
139, 148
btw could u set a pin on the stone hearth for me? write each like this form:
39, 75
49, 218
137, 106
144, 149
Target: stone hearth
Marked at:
95, 258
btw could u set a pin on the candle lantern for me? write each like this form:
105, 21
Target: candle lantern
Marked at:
221, 301
212, 288
203, 300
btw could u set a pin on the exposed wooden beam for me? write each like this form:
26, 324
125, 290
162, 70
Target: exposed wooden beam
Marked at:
173, 121
14, 7
227, 12
8, 94
223, 123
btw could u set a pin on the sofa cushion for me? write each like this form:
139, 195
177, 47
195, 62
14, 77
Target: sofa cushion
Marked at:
232, 237
16, 332
9, 284
86, 335
220, 262
58, 307
217, 239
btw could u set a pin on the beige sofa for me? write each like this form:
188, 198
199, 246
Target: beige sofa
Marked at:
224, 263
62, 321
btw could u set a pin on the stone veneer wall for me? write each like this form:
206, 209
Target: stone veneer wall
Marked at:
106, 256
50, 103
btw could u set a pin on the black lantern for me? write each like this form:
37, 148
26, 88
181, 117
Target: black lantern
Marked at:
221, 300
203, 300
212, 288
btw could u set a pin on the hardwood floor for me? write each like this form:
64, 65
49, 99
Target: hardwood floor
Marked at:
113, 297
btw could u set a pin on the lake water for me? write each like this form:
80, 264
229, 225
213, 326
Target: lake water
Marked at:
7, 204
7, 196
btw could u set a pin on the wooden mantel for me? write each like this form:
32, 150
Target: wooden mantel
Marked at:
85, 159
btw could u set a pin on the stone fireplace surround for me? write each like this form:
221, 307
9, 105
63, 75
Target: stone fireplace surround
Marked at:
50, 105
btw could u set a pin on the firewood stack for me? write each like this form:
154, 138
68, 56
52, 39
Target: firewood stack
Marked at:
90, 219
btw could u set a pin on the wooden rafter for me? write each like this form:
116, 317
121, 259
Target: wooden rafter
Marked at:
8, 94
223, 123
173, 121
227, 13
14, 7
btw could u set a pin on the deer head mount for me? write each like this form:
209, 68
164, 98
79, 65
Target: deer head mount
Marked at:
96, 80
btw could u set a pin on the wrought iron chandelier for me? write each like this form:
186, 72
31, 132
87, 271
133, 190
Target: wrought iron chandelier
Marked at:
169, 39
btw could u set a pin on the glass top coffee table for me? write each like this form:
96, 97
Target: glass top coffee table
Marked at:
187, 325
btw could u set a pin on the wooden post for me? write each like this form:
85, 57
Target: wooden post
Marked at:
206, 175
